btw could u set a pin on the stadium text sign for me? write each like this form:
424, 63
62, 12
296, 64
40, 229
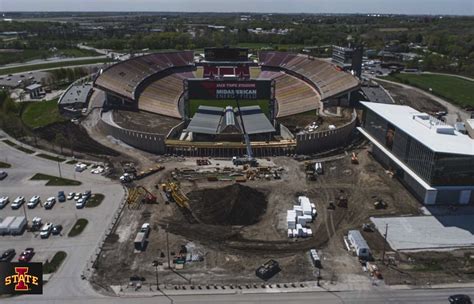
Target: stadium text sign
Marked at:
227, 89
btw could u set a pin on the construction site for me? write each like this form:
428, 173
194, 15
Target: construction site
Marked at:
215, 223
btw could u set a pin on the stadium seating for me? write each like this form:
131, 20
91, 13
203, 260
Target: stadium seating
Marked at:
328, 80
124, 77
162, 96
292, 94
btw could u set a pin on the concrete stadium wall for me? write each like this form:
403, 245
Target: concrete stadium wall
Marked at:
317, 142
150, 142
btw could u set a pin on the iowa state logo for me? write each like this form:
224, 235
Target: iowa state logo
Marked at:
21, 278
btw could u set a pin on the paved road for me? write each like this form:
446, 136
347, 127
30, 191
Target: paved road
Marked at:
50, 60
432, 296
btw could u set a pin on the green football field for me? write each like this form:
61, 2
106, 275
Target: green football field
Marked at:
195, 103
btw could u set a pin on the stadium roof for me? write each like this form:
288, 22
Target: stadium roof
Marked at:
431, 132
215, 120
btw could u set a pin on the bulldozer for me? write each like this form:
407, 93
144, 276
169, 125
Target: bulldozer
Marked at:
173, 191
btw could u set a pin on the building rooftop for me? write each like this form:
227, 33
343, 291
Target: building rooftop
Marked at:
431, 132
76, 94
215, 120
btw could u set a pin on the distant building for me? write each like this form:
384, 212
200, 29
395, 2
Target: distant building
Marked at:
432, 159
75, 99
348, 58
35, 90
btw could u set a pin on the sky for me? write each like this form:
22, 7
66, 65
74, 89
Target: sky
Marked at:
449, 7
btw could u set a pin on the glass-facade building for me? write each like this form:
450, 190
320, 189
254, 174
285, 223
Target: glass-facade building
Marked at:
450, 176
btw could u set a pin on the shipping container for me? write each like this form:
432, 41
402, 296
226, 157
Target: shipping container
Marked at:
140, 241
315, 258
18, 225
4, 226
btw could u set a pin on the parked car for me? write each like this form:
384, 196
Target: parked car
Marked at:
50, 203
33, 202
18, 202
145, 229
26, 255
7, 255
36, 223
3, 175
77, 196
4, 200
81, 203
87, 194
57, 229
61, 196
71, 195
459, 299
46, 230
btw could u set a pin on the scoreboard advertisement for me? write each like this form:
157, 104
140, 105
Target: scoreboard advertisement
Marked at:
227, 89
226, 54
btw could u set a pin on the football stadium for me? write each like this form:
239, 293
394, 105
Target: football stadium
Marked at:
222, 101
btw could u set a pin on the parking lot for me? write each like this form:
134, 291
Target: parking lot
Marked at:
80, 248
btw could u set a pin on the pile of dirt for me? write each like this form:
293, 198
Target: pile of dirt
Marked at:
234, 205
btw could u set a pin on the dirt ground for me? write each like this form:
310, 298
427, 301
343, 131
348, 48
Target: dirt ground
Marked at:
412, 98
299, 122
144, 121
232, 253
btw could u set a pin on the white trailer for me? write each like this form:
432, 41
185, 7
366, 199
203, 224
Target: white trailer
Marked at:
5, 225
140, 241
359, 244
18, 225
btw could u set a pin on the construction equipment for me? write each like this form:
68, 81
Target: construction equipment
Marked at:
310, 170
173, 191
139, 195
380, 204
130, 173
354, 159
248, 159
342, 200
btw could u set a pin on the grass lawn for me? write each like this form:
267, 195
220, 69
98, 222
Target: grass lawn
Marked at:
78, 227
55, 181
55, 263
52, 65
51, 157
4, 165
72, 162
195, 103
12, 144
456, 90
41, 113
95, 200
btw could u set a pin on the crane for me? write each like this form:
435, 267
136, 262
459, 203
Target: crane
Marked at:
249, 159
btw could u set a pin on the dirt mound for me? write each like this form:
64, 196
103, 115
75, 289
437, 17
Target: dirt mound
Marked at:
233, 205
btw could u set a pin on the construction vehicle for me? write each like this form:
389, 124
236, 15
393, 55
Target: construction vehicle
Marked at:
354, 159
310, 170
268, 270
138, 196
173, 191
130, 173
380, 204
342, 200
247, 159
